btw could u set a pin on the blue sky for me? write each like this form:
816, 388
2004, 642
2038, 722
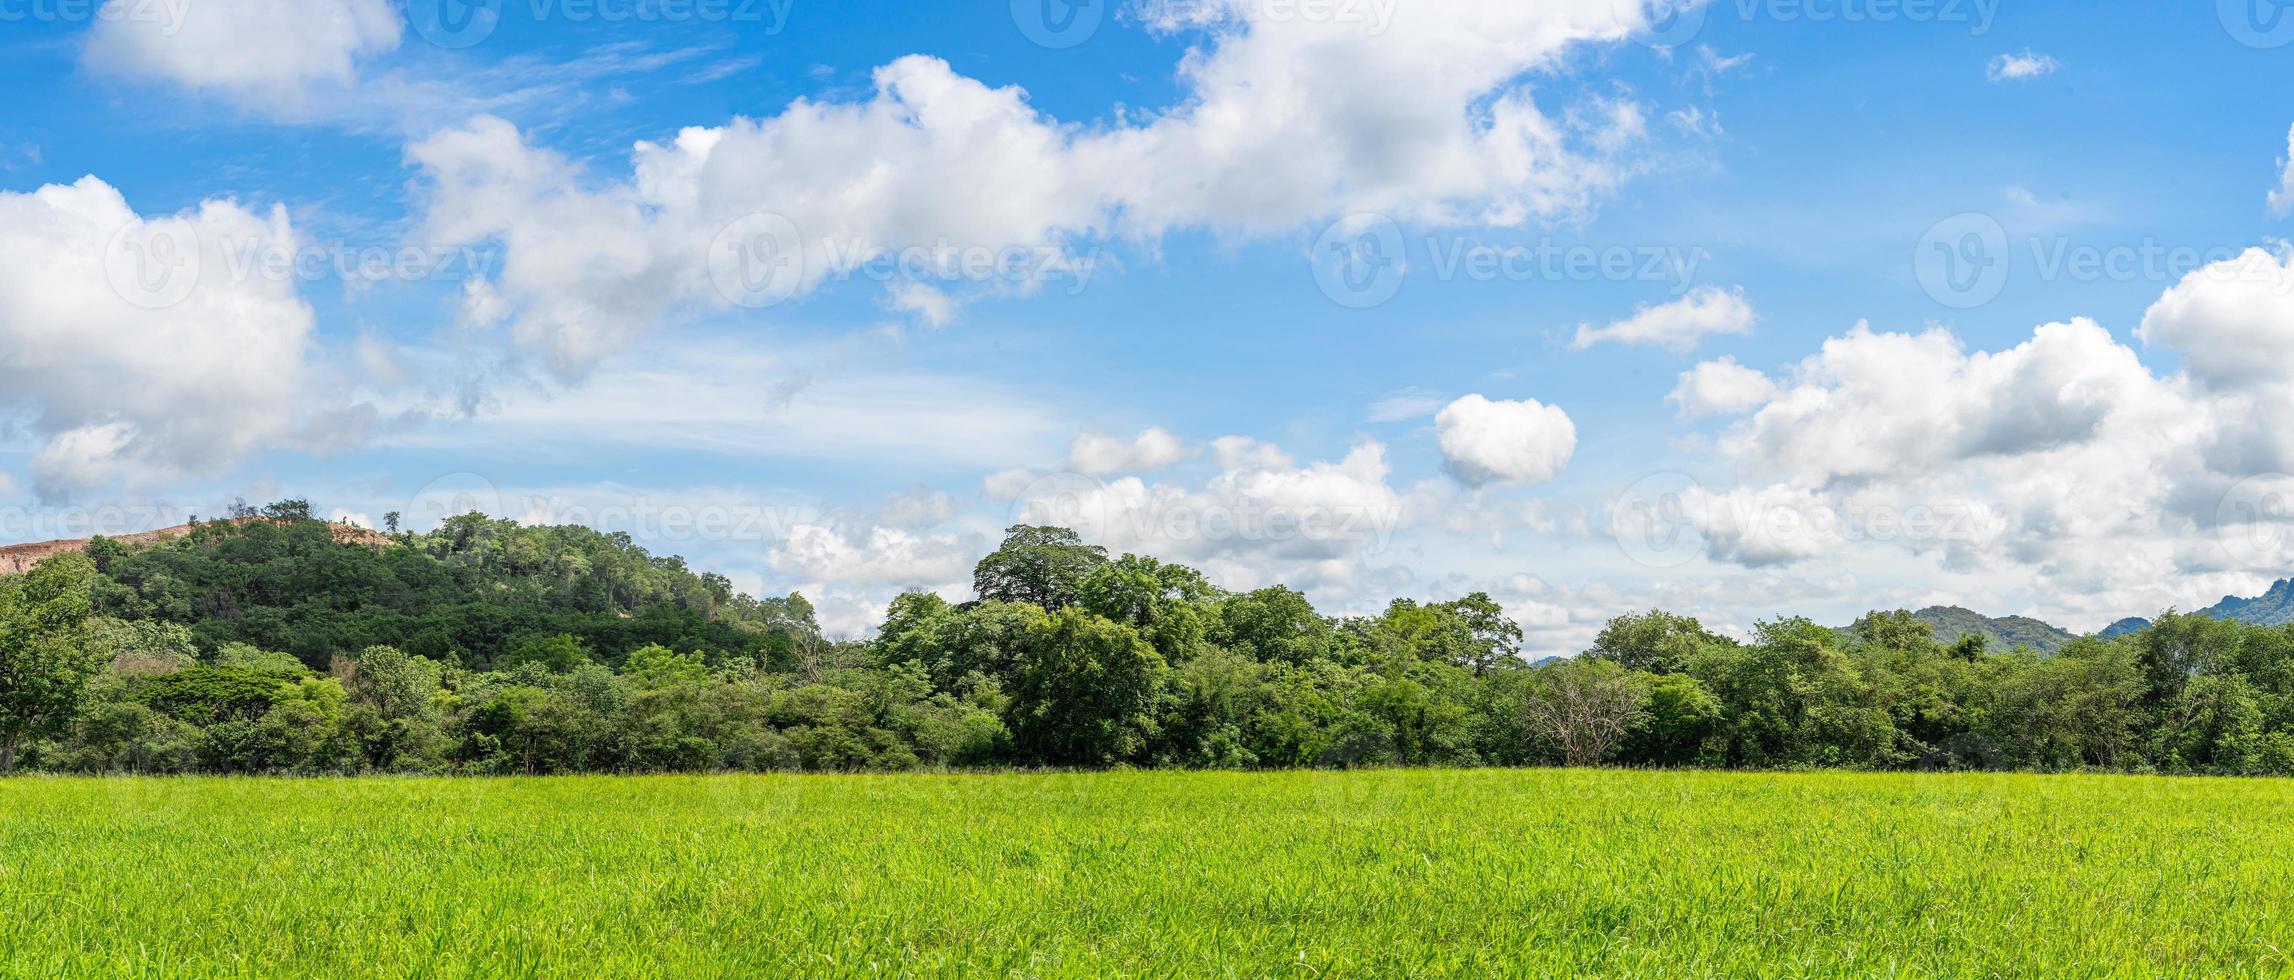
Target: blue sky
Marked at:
1765, 387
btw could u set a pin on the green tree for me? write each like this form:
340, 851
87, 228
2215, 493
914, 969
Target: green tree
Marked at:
1085, 691
47, 656
1658, 642
1045, 566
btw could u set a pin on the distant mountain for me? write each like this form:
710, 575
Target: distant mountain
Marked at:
2271, 608
2131, 624
2003, 633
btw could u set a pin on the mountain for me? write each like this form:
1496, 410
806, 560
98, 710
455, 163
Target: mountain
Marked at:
2004, 633
2271, 608
2131, 624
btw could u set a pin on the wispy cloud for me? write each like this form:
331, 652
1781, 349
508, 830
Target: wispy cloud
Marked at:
2021, 67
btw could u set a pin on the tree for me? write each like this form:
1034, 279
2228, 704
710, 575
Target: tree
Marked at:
1585, 706
1086, 691
46, 654
1041, 565
1895, 630
1658, 642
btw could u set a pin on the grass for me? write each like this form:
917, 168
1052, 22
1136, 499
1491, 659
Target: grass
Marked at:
1157, 874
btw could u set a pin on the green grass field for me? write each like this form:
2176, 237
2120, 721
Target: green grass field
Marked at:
1384, 873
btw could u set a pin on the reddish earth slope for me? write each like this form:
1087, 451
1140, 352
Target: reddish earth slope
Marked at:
16, 559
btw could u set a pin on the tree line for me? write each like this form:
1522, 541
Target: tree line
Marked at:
262, 645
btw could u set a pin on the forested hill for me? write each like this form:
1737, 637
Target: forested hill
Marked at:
2005, 632
477, 592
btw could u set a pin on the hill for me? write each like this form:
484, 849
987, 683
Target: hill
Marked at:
2004, 633
16, 559
2272, 608
473, 593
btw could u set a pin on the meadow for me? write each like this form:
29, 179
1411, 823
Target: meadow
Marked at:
1421, 873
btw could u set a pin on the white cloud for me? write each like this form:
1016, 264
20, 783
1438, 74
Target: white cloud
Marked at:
2020, 67
1679, 325
1258, 521
272, 55
205, 365
2060, 476
882, 556
1284, 120
1721, 387
2233, 321
1485, 442
1095, 454
1875, 405
2282, 197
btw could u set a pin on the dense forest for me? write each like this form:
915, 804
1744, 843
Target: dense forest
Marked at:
263, 644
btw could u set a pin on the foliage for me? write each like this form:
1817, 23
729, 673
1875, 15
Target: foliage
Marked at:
266, 646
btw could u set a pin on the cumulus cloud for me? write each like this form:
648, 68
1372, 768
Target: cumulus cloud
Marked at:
1283, 120
2233, 321
2061, 468
2020, 67
1721, 387
1679, 325
1261, 519
272, 55
1096, 454
1875, 404
1486, 442
143, 342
